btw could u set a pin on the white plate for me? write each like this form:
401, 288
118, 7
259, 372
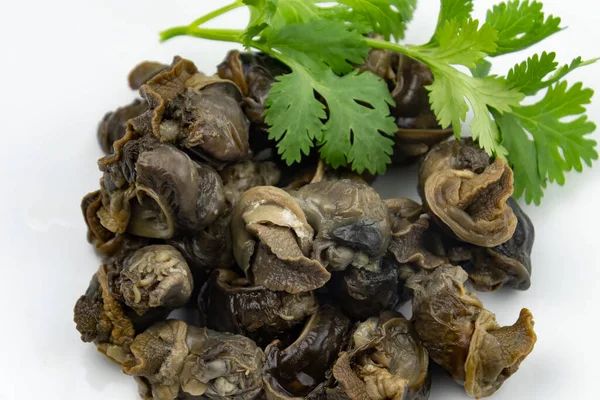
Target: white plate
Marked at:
64, 63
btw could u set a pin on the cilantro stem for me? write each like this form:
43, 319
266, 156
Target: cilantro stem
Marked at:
223, 35
193, 29
384, 44
413, 52
217, 12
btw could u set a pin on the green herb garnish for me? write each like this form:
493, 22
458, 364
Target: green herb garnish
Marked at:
324, 102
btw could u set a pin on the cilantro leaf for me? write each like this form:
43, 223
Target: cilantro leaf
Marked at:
267, 16
529, 75
481, 69
294, 12
294, 114
358, 113
326, 42
449, 94
261, 14
452, 91
520, 24
385, 17
523, 158
565, 69
558, 146
544, 121
358, 107
448, 102
341, 12
461, 42
485, 93
456, 10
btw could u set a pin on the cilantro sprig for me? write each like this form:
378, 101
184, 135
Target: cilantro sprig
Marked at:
324, 102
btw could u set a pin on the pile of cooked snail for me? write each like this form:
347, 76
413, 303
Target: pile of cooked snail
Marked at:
289, 278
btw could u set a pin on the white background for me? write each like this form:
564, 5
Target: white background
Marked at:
64, 63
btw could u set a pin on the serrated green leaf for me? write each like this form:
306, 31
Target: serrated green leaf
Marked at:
385, 17
561, 145
481, 69
269, 16
449, 94
358, 114
566, 69
461, 43
457, 10
522, 158
520, 24
528, 76
448, 103
341, 12
294, 12
489, 93
358, 108
326, 42
464, 43
558, 145
294, 115
261, 15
